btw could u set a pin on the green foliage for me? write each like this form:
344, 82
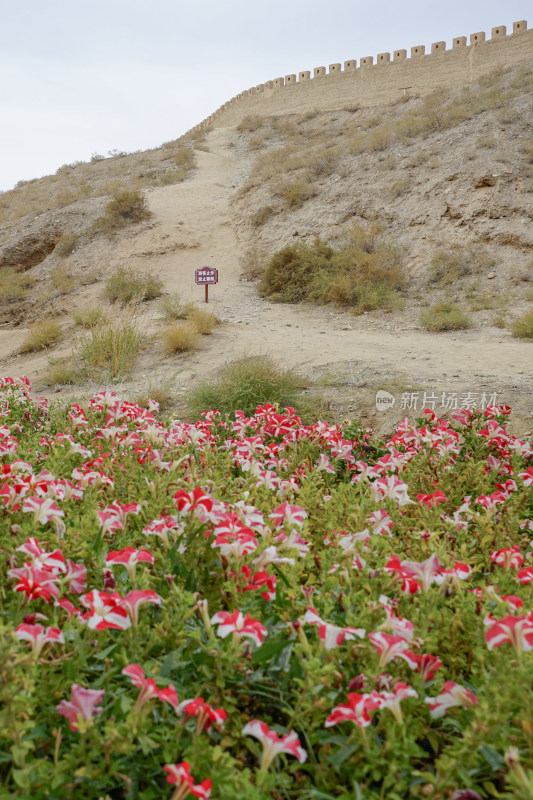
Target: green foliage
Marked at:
364, 274
444, 316
126, 285
244, 384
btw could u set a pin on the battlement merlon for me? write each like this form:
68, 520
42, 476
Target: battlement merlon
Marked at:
382, 80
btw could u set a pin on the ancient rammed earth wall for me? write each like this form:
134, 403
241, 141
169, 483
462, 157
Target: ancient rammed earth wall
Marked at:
382, 81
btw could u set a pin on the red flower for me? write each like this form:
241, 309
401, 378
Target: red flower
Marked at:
357, 709
148, 687
240, 625
206, 715
508, 557
105, 611
432, 500
331, 635
129, 557
179, 775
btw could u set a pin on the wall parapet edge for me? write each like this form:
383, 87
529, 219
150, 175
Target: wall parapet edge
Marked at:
387, 61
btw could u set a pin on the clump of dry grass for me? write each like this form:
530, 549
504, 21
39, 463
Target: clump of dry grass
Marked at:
109, 350
454, 262
40, 336
13, 285
62, 280
444, 316
126, 207
296, 193
180, 337
172, 307
125, 285
522, 327
203, 320
89, 318
66, 244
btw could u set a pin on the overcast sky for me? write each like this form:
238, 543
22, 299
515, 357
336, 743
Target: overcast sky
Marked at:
79, 77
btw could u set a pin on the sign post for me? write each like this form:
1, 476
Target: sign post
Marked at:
205, 276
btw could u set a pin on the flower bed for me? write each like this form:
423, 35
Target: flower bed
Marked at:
254, 608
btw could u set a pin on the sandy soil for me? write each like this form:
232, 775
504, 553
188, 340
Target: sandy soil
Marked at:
350, 356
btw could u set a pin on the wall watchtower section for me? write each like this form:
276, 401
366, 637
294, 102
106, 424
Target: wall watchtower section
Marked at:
382, 81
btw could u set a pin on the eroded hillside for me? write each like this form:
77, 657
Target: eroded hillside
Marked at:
447, 179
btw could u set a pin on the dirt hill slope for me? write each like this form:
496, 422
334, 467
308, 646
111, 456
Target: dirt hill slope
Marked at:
443, 197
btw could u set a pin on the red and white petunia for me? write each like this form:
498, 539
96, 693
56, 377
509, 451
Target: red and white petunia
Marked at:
425, 664
196, 502
179, 775
239, 625
527, 476
392, 700
331, 635
76, 577
54, 561
110, 521
390, 648
273, 744
398, 626
357, 709
392, 488
491, 501
129, 558
34, 582
508, 557
380, 522
459, 572
424, 572
205, 714
516, 631
81, 707
525, 575
287, 514
38, 636
106, 610
148, 687
452, 695
236, 545
43, 509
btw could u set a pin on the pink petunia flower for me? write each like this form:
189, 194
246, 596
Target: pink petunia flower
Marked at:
516, 631
129, 558
452, 695
81, 707
357, 709
287, 514
273, 744
135, 599
390, 648
37, 636
392, 700
508, 557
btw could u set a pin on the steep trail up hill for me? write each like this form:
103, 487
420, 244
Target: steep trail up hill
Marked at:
192, 226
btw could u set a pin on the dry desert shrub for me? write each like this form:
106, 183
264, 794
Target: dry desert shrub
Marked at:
180, 337
203, 320
454, 262
253, 263
13, 285
172, 307
126, 207
522, 327
444, 316
66, 244
363, 274
40, 336
61, 372
294, 194
126, 285
108, 350
250, 124
262, 215
62, 280
90, 317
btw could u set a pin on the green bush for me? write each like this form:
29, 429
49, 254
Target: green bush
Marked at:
522, 327
444, 317
244, 384
125, 285
365, 267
